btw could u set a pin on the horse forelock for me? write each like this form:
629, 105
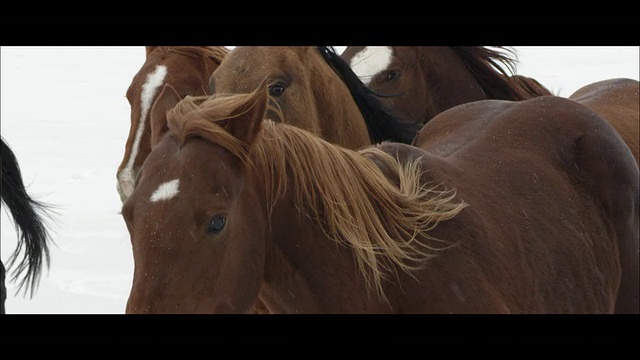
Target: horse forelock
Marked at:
199, 116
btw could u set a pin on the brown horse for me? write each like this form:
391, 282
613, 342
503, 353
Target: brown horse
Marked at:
168, 74
311, 88
419, 82
506, 207
314, 89
424, 81
618, 101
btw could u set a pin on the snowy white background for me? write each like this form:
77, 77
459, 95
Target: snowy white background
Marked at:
65, 115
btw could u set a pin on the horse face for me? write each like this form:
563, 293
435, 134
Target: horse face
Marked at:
391, 71
187, 75
197, 239
287, 70
304, 90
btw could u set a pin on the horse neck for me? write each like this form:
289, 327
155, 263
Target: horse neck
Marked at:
305, 272
447, 80
341, 121
297, 246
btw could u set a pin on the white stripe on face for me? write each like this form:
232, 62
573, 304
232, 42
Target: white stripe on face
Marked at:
149, 89
166, 191
371, 61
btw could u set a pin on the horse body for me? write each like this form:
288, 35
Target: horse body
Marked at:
540, 222
419, 82
618, 101
28, 216
168, 74
570, 240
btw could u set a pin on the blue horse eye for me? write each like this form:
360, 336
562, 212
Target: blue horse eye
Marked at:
216, 225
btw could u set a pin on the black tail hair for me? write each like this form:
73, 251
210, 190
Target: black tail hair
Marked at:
27, 215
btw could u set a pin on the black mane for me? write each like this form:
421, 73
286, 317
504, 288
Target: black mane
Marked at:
381, 124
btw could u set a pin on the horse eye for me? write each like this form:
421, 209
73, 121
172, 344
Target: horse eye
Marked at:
277, 89
392, 75
216, 225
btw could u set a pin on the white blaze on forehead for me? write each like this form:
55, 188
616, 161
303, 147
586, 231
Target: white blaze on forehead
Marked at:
166, 191
149, 90
370, 61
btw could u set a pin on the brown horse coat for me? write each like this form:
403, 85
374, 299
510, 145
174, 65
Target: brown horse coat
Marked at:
419, 82
618, 101
500, 207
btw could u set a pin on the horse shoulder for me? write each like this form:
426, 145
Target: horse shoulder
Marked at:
602, 157
610, 173
618, 102
451, 288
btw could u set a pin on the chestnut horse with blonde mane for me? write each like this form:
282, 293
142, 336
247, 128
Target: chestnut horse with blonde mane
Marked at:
311, 88
501, 207
168, 74
419, 82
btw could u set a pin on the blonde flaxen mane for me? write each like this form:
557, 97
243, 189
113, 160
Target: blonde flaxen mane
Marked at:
344, 192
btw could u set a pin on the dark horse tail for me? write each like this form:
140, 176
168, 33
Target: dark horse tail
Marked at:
27, 215
382, 125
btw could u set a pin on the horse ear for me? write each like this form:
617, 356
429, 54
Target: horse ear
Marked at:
167, 99
150, 49
246, 119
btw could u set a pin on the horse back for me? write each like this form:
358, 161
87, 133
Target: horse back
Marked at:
550, 172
